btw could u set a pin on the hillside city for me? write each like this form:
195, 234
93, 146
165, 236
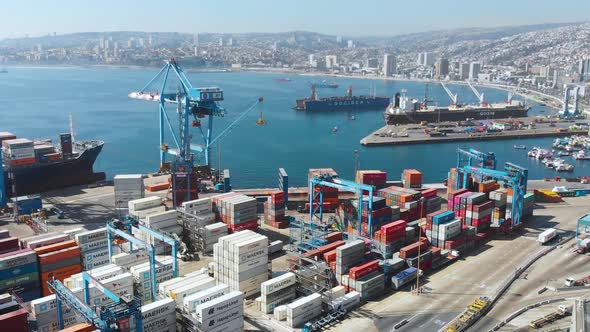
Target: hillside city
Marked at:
542, 57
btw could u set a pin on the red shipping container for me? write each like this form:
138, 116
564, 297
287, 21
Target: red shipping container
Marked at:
428, 193
455, 243
411, 250
59, 255
435, 252
15, 321
9, 244
363, 270
334, 236
55, 247
330, 256
251, 225
482, 221
482, 207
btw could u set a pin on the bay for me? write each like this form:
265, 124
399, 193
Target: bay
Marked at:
36, 103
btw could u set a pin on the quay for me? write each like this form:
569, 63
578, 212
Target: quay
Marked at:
445, 132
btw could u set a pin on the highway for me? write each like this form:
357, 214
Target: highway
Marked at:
450, 290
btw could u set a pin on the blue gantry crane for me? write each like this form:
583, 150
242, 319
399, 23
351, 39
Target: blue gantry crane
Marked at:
121, 308
316, 226
513, 176
199, 104
473, 157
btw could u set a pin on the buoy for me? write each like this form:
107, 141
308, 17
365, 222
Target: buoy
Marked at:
261, 121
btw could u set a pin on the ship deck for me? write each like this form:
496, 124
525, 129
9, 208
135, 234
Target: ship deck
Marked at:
395, 135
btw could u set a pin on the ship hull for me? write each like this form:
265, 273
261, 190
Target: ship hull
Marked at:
44, 177
341, 104
435, 116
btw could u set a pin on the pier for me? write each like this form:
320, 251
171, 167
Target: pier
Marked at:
445, 132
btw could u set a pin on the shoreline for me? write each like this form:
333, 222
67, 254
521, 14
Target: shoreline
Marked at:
529, 95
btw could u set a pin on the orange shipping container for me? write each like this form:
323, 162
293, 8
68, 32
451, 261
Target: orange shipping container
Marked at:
21, 162
60, 275
157, 187
59, 255
330, 256
82, 327
55, 247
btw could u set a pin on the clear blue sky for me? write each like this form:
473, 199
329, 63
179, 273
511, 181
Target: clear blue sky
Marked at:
344, 17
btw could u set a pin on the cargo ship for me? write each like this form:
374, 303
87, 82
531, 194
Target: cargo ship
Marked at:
32, 167
405, 110
348, 102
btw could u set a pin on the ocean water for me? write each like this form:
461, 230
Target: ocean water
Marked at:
36, 103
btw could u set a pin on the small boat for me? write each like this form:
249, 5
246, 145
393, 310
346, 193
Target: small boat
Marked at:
325, 84
520, 147
564, 154
283, 79
335, 129
352, 117
581, 155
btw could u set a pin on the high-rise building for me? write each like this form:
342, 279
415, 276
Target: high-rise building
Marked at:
546, 72
141, 42
429, 59
339, 39
442, 68
312, 60
101, 42
420, 60
150, 40
389, 65
584, 69
464, 71
331, 61
372, 63
230, 42
474, 69
196, 49
220, 41
350, 43
107, 44
320, 64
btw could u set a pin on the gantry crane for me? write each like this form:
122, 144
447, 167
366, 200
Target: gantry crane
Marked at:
513, 176
122, 307
200, 104
473, 157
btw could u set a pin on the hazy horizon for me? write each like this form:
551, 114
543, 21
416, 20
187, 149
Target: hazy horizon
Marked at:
379, 18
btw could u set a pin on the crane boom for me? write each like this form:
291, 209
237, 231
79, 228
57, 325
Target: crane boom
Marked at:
454, 97
480, 96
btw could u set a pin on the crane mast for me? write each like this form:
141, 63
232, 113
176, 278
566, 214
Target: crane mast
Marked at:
454, 97
480, 96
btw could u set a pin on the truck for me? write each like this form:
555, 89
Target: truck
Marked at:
401, 279
571, 282
547, 235
584, 246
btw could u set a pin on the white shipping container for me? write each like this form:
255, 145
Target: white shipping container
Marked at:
142, 214
155, 218
153, 311
547, 235
144, 203
280, 312
91, 236
346, 301
181, 293
13, 261
192, 301
94, 245
230, 301
223, 318
126, 260
171, 287
47, 241
278, 283
313, 301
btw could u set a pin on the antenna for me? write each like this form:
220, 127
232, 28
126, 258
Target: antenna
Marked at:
72, 133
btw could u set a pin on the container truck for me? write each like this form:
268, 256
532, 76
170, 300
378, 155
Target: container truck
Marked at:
406, 276
547, 235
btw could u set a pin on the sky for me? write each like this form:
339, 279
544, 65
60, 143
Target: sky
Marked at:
345, 17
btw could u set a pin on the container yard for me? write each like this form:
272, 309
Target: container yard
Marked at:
475, 130
243, 262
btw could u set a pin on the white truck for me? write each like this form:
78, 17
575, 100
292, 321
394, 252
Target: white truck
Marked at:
547, 235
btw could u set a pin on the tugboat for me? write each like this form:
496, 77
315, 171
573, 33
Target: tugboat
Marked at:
520, 147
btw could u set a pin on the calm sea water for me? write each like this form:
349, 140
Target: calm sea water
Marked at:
36, 103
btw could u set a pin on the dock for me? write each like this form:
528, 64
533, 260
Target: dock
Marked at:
453, 132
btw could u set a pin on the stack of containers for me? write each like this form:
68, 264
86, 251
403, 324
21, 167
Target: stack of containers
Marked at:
349, 255
225, 313
237, 211
433, 202
166, 222
143, 279
304, 310
498, 197
127, 187
241, 261
274, 210
140, 208
330, 194
93, 248
390, 237
211, 234
528, 204
159, 316
278, 291
451, 198
479, 215
4, 136
8, 243
46, 239
19, 273
367, 280
100, 273
196, 215
381, 215
58, 261
18, 152
191, 302
128, 259
188, 286
411, 178
412, 250
375, 178
346, 302
488, 186
444, 227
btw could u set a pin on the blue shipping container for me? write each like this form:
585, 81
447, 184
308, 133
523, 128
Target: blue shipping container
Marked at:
18, 270
443, 218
